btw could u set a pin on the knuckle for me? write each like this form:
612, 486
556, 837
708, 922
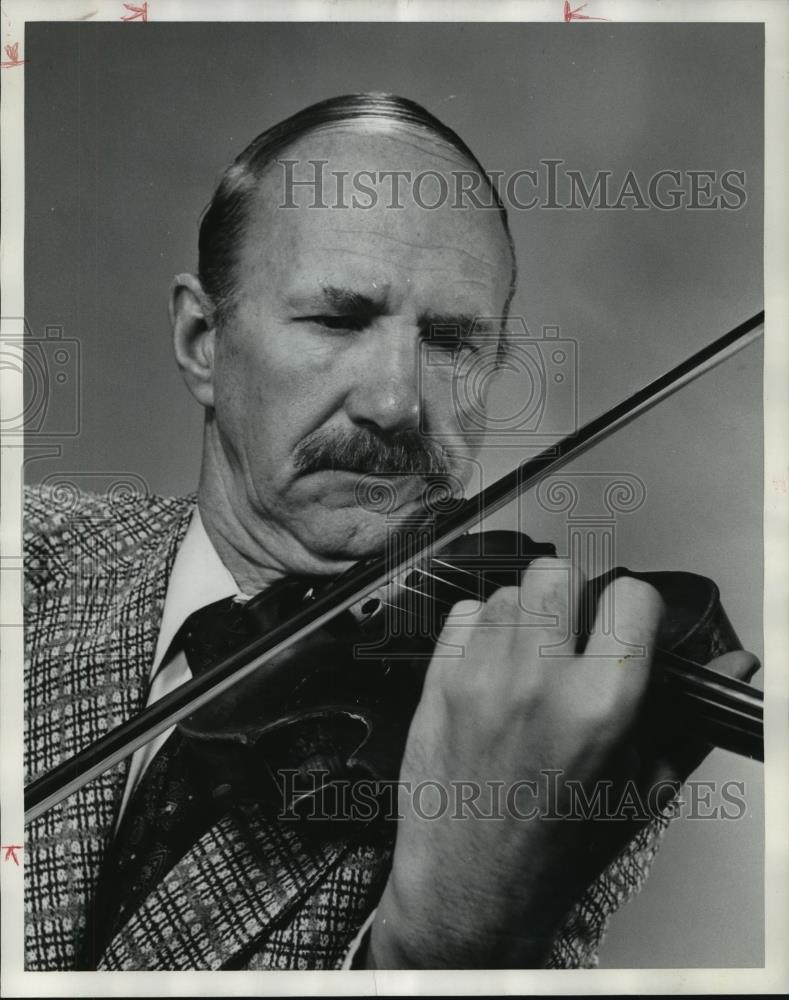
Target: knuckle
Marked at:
548, 584
553, 562
461, 689
502, 607
548, 572
615, 699
547, 562
463, 613
639, 594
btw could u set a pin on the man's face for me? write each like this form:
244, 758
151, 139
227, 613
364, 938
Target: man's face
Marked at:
324, 360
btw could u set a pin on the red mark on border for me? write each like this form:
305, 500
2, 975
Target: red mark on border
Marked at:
10, 852
576, 15
137, 13
12, 51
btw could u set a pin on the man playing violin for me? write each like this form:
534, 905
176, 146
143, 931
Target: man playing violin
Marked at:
301, 337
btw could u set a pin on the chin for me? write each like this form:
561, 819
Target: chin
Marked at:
346, 536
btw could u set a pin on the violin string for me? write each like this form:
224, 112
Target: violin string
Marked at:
415, 590
449, 583
387, 604
459, 569
724, 681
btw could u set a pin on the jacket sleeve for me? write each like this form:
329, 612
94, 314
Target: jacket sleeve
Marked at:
578, 943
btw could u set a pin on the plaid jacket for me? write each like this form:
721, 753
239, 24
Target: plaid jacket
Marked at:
252, 893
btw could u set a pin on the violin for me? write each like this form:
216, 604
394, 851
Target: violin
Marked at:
336, 707
324, 676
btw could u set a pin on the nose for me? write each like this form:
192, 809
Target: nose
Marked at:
385, 396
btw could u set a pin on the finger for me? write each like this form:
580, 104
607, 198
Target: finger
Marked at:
463, 613
459, 625
471, 656
738, 663
551, 591
680, 749
470, 623
635, 609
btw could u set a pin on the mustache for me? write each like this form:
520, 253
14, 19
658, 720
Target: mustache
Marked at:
400, 453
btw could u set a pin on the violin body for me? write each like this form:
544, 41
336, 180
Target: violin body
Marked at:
337, 706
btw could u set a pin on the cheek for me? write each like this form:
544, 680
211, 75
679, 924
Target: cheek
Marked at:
254, 368
270, 392
456, 394
245, 401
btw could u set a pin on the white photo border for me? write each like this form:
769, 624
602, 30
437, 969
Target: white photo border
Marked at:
774, 977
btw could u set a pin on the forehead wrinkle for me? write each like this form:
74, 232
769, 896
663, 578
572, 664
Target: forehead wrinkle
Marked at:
478, 232
414, 245
415, 267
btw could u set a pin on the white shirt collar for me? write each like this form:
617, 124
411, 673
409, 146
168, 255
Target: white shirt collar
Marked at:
199, 577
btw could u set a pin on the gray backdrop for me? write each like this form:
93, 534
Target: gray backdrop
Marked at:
128, 127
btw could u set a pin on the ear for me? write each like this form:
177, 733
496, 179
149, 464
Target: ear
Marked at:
194, 332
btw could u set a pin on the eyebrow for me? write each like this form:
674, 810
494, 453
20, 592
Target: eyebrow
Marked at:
344, 300
437, 320
437, 323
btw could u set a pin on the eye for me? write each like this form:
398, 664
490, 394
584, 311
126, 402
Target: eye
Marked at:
331, 322
457, 342
456, 335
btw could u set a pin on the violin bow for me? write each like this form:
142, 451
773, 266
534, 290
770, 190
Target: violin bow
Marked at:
69, 776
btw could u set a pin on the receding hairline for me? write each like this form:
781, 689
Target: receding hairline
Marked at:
369, 127
372, 125
373, 128
365, 114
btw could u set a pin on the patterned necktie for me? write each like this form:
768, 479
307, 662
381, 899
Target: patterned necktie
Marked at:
170, 808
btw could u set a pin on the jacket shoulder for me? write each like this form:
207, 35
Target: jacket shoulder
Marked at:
64, 525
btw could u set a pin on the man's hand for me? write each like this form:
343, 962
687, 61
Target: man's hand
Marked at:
482, 892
